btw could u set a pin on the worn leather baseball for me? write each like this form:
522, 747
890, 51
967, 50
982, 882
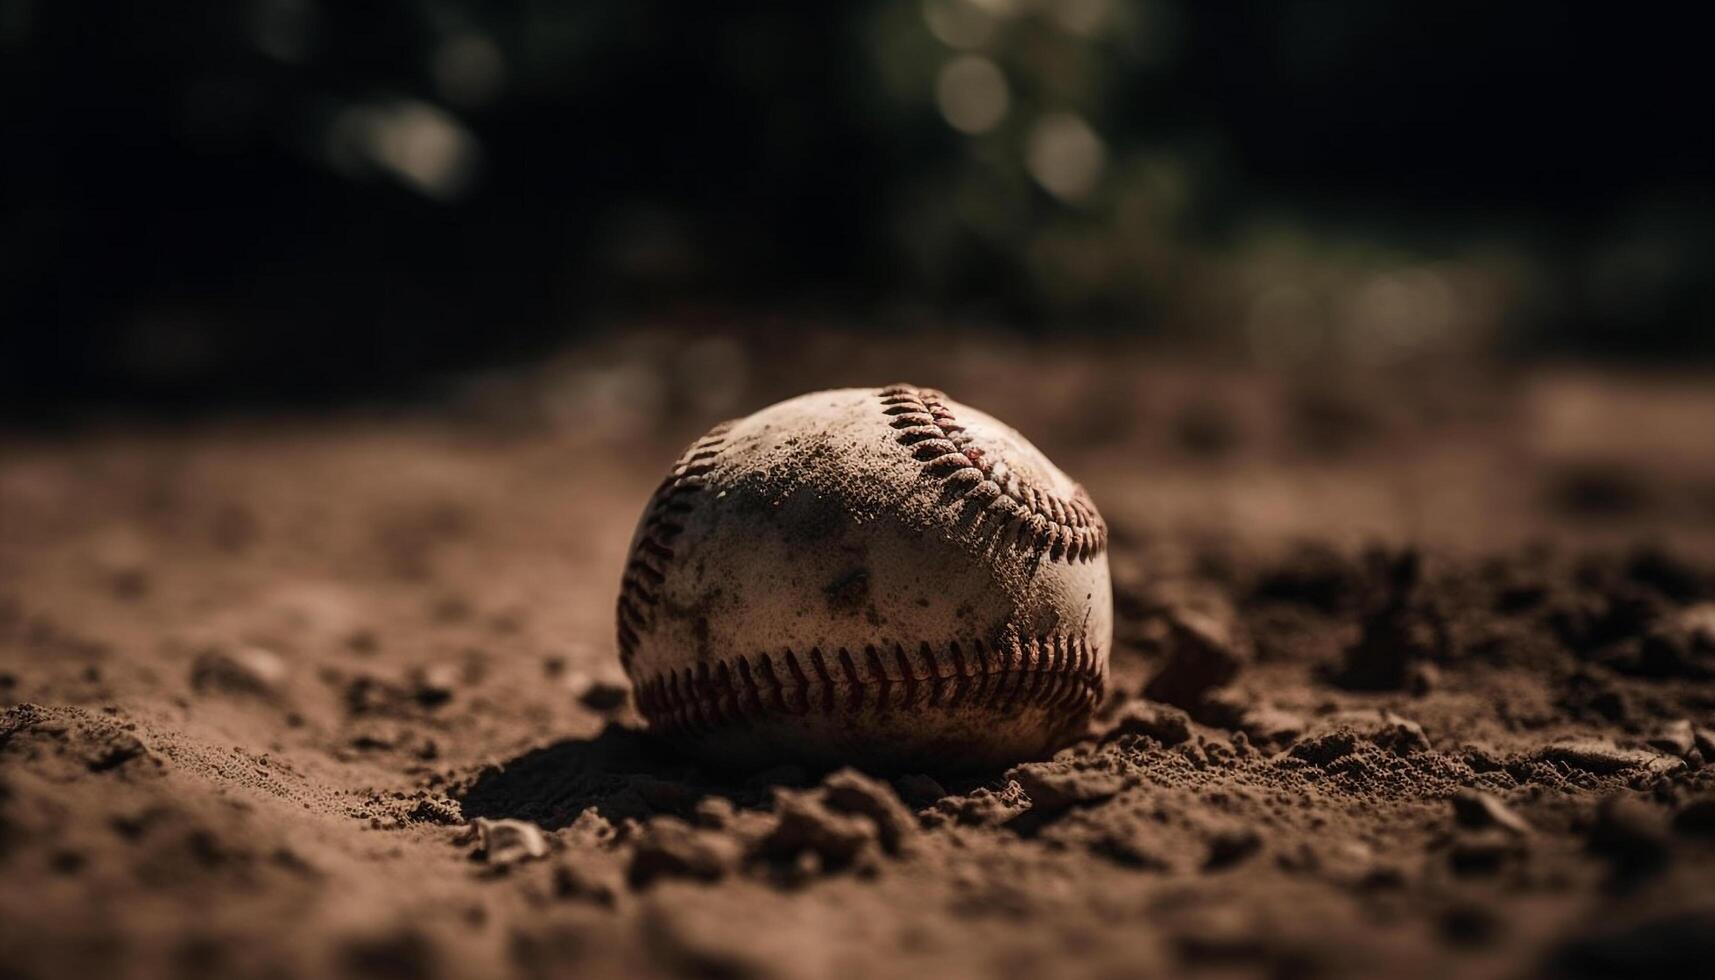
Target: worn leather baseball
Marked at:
871, 576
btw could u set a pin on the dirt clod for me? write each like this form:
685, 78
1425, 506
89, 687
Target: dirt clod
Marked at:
670, 848
1167, 725
850, 791
1674, 738
1604, 757
1204, 651
809, 829
1053, 788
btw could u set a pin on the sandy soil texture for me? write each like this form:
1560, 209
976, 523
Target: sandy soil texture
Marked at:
1413, 674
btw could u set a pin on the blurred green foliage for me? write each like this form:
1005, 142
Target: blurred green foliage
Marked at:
223, 186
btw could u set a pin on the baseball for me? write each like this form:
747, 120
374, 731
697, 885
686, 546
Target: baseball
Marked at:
871, 576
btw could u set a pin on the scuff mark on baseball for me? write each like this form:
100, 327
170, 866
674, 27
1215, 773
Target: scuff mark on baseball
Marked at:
874, 576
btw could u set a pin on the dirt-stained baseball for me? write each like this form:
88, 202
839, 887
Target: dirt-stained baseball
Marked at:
873, 576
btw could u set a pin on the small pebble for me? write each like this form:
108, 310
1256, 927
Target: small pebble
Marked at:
508, 842
250, 670
1476, 810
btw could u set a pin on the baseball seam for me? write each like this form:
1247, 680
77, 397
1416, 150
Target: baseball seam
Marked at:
1041, 522
1060, 673
647, 568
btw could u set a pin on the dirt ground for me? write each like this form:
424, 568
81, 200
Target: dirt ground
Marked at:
1429, 654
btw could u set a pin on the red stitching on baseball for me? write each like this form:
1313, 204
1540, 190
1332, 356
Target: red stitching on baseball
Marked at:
854, 684
827, 681
1046, 524
802, 681
1008, 678
882, 702
654, 551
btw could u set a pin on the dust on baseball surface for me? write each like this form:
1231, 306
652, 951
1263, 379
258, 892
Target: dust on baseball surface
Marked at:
870, 576
1412, 678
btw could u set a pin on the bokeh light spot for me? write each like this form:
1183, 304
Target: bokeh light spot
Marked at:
420, 145
972, 94
1395, 314
958, 23
1065, 156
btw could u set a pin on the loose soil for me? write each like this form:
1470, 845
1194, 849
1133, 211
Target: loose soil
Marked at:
1414, 673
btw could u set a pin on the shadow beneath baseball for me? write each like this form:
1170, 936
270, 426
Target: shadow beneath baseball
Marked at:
619, 772
625, 772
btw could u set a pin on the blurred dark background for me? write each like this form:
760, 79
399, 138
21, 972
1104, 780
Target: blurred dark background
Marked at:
285, 200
